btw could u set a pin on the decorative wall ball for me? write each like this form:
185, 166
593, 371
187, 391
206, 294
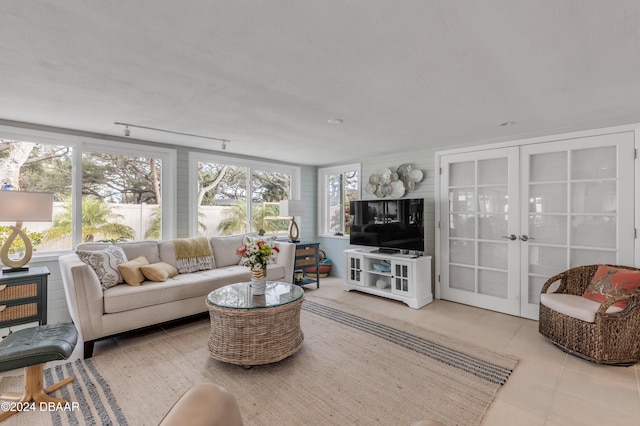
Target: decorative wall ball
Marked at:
397, 189
394, 184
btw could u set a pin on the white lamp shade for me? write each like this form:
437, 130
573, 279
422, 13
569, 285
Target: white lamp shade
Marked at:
18, 206
292, 208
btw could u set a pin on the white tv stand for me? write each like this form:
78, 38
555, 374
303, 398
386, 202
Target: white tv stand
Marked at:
408, 279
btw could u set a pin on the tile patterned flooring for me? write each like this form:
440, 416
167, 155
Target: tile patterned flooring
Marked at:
548, 387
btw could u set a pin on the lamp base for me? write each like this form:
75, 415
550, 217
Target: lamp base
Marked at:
294, 231
10, 270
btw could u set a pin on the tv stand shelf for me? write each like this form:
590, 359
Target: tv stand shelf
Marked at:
408, 279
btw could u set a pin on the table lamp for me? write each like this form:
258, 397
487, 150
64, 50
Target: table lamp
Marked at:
22, 207
292, 208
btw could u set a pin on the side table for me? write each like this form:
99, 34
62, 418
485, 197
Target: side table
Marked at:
23, 297
307, 257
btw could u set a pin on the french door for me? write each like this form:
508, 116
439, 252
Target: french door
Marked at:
478, 220
512, 217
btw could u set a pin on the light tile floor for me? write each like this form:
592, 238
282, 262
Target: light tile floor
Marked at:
548, 387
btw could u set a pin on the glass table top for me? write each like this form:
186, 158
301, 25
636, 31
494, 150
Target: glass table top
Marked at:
239, 296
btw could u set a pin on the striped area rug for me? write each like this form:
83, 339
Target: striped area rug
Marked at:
439, 352
90, 390
354, 367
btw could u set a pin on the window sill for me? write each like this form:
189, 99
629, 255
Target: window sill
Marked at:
337, 237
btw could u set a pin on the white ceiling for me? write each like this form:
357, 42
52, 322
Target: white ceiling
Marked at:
267, 75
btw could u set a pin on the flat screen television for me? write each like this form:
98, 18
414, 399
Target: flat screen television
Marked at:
388, 224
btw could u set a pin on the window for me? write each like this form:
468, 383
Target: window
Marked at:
338, 186
113, 190
121, 197
26, 165
221, 189
123, 186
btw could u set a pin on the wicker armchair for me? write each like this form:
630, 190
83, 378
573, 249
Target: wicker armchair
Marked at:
613, 338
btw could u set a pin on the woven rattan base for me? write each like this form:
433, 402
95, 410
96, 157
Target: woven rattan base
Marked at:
250, 337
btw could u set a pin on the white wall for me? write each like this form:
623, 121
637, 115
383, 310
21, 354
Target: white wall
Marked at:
423, 160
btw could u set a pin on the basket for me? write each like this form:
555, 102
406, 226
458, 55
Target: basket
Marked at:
324, 269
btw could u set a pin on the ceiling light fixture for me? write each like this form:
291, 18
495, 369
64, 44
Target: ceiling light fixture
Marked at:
335, 121
127, 132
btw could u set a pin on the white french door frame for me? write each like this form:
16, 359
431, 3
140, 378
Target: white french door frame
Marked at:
495, 283
628, 220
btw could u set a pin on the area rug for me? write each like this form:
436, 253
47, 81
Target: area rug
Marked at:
361, 369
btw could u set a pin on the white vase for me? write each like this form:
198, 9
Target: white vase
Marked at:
258, 281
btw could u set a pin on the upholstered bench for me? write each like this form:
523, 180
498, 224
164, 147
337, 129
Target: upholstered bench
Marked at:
32, 348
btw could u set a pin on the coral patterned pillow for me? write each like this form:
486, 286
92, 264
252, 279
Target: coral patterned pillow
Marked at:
609, 281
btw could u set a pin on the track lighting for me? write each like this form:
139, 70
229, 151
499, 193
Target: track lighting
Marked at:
127, 132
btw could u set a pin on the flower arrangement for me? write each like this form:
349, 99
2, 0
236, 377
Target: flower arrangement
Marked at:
257, 253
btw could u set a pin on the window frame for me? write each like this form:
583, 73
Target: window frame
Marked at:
168, 157
80, 144
195, 157
323, 195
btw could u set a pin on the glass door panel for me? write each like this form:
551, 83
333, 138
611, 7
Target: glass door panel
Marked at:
480, 218
594, 197
548, 198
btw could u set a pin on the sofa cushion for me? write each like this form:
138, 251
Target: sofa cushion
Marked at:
123, 298
105, 264
224, 249
167, 252
160, 271
574, 306
131, 272
148, 249
608, 281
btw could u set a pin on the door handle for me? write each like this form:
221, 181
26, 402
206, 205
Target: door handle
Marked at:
510, 237
526, 238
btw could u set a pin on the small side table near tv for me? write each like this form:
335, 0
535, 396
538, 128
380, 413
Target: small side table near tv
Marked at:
307, 259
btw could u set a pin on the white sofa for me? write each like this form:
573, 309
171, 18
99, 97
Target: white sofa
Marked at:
99, 313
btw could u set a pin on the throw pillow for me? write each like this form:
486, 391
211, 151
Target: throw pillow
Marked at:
131, 270
105, 264
609, 281
159, 271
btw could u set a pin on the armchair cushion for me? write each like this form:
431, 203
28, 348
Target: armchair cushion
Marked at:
574, 306
609, 281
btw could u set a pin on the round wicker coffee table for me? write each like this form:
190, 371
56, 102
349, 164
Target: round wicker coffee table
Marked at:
252, 330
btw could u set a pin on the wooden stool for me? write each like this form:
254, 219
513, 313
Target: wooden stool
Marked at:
32, 348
